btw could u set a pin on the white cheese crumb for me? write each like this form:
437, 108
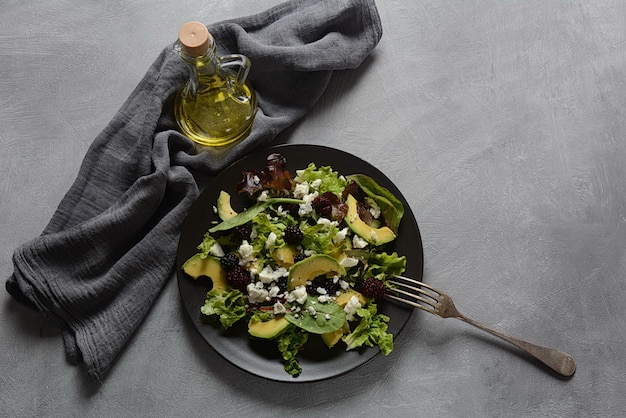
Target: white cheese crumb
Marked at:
374, 208
245, 250
279, 308
316, 184
327, 316
340, 236
214, 209
358, 242
263, 196
351, 307
271, 240
324, 221
216, 250
325, 298
298, 295
301, 190
348, 262
343, 284
256, 294
269, 275
312, 311
274, 291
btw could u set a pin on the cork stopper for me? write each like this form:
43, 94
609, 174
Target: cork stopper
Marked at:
194, 38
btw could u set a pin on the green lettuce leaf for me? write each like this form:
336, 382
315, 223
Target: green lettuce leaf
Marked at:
290, 342
391, 207
328, 316
331, 181
383, 265
372, 330
228, 307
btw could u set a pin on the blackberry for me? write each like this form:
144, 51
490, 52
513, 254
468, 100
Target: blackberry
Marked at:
244, 232
372, 288
292, 208
239, 278
230, 261
293, 235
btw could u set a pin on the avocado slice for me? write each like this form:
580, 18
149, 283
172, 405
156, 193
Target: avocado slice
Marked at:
312, 267
284, 256
211, 267
267, 329
345, 296
375, 236
224, 209
332, 338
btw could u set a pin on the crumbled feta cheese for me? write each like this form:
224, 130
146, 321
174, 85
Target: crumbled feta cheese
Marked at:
340, 236
307, 207
301, 190
348, 262
316, 184
256, 179
298, 295
312, 311
280, 211
263, 196
274, 291
269, 275
309, 253
374, 208
320, 290
324, 221
214, 209
279, 308
358, 242
216, 250
245, 250
351, 307
343, 284
327, 316
256, 294
325, 298
271, 240
373, 235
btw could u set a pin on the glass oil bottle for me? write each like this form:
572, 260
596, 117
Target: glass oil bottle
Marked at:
217, 104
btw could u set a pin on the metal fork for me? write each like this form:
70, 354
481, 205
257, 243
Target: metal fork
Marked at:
429, 299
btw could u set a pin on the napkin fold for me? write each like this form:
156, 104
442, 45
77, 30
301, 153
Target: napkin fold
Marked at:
111, 245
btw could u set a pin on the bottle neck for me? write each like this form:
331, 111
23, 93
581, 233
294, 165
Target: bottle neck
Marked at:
203, 69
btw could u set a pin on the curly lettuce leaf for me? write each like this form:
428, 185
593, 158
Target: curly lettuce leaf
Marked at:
228, 307
290, 342
383, 265
371, 331
331, 181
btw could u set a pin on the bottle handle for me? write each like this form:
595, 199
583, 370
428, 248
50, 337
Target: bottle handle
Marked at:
236, 68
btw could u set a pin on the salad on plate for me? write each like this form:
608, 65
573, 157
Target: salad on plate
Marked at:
305, 259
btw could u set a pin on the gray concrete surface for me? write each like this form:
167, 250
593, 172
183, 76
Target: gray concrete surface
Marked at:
503, 123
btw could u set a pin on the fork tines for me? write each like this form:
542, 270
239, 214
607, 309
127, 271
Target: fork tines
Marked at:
414, 293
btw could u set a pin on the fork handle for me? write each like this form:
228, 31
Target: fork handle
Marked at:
560, 362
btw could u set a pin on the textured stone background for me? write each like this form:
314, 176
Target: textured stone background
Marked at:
503, 124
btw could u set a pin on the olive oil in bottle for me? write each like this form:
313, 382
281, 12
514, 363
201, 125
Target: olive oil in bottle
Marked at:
217, 104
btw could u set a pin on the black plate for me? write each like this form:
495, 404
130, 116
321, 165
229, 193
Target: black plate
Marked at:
262, 358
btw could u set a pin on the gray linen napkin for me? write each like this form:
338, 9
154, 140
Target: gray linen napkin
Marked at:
110, 246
